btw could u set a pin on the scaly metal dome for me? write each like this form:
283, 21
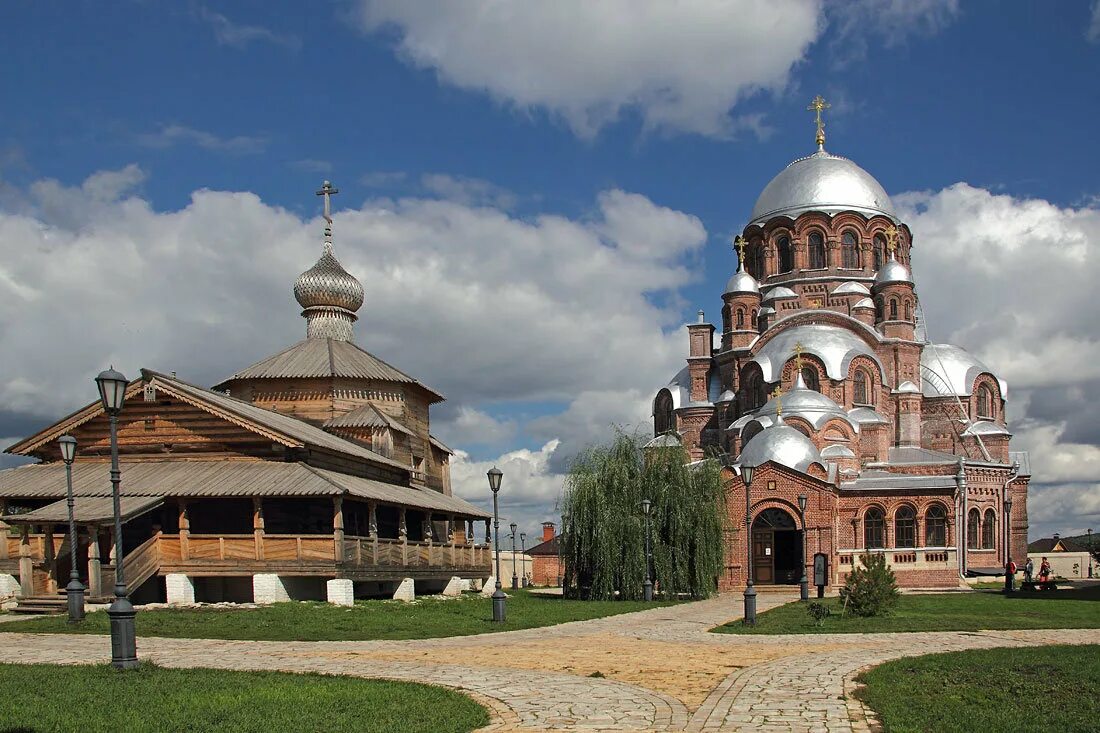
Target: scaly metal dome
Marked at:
822, 182
328, 284
782, 444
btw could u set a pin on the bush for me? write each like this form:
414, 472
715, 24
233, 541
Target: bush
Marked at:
870, 590
818, 612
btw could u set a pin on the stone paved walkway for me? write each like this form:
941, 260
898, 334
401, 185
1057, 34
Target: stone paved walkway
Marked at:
656, 670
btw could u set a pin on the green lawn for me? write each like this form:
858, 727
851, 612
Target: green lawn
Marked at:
1070, 609
426, 618
44, 697
1051, 688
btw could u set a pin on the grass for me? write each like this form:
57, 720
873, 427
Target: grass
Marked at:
426, 618
1035, 689
42, 697
1069, 609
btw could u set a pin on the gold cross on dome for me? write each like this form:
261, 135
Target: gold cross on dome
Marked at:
778, 395
739, 245
891, 239
798, 356
816, 106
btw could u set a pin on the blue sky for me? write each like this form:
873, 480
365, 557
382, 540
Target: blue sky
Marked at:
520, 135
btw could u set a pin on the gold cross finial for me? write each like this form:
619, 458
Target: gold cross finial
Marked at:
739, 245
891, 239
778, 395
816, 106
798, 357
328, 191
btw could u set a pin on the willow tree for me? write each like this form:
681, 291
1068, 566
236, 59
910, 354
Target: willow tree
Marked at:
603, 526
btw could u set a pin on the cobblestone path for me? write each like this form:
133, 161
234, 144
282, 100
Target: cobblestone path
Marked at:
656, 670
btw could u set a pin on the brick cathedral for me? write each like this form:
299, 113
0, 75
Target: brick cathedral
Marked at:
825, 382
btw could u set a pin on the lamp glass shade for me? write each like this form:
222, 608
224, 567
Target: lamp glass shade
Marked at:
112, 389
802, 500
512, 526
1008, 505
746, 474
68, 448
646, 506
495, 475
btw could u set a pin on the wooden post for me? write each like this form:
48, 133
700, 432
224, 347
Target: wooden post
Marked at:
95, 567
3, 531
338, 527
50, 561
403, 532
258, 525
373, 509
185, 531
26, 564
451, 537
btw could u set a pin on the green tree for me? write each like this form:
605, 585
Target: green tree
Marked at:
871, 589
603, 527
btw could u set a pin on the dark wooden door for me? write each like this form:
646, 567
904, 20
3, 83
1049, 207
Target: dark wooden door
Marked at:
763, 556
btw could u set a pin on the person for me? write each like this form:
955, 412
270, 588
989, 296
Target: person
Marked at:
1029, 571
1044, 571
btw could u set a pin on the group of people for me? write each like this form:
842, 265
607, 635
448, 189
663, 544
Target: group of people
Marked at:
1044, 571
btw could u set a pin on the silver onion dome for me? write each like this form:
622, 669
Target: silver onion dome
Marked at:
892, 272
781, 444
328, 285
822, 182
742, 282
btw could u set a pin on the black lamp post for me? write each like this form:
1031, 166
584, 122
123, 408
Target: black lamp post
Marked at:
750, 591
495, 475
1090, 551
74, 591
515, 578
523, 551
112, 392
804, 583
647, 587
1010, 577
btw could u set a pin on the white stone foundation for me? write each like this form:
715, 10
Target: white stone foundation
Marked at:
454, 587
490, 586
268, 588
406, 591
340, 592
9, 589
179, 589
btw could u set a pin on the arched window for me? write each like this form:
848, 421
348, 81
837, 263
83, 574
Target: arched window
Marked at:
754, 391
786, 257
756, 260
985, 402
874, 529
905, 527
726, 317
861, 392
754, 318
662, 413
880, 252
989, 527
935, 526
849, 251
908, 311
893, 309
817, 251
972, 528
740, 318
809, 375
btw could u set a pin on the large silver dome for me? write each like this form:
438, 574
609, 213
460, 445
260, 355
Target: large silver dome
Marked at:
822, 182
782, 444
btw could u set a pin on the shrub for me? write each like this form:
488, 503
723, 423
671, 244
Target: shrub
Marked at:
870, 590
818, 612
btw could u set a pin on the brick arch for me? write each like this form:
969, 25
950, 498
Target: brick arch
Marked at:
840, 426
874, 387
987, 380
898, 504
775, 503
808, 361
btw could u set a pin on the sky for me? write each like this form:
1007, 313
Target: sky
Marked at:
537, 197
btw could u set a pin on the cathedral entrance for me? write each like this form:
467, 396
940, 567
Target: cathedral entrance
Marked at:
776, 548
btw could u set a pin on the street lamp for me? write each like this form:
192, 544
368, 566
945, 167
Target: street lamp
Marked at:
515, 578
647, 587
750, 591
495, 475
74, 591
112, 392
1090, 551
804, 584
523, 551
1010, 577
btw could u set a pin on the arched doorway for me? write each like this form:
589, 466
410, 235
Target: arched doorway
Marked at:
776, 548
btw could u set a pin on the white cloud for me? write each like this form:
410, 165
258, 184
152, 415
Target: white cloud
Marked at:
468, 191
682, 66
852, 23
169, 136
1093, 31
237, 35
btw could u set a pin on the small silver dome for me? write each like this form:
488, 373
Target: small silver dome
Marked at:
727, 396
865, 303
783, 445
986, 427
837, 451
866, 416
907, 387
328, 284
892, 272
852, 288
822, 182
742, 282
780, 292
808, 404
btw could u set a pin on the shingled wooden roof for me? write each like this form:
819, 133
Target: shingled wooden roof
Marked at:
326, 357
